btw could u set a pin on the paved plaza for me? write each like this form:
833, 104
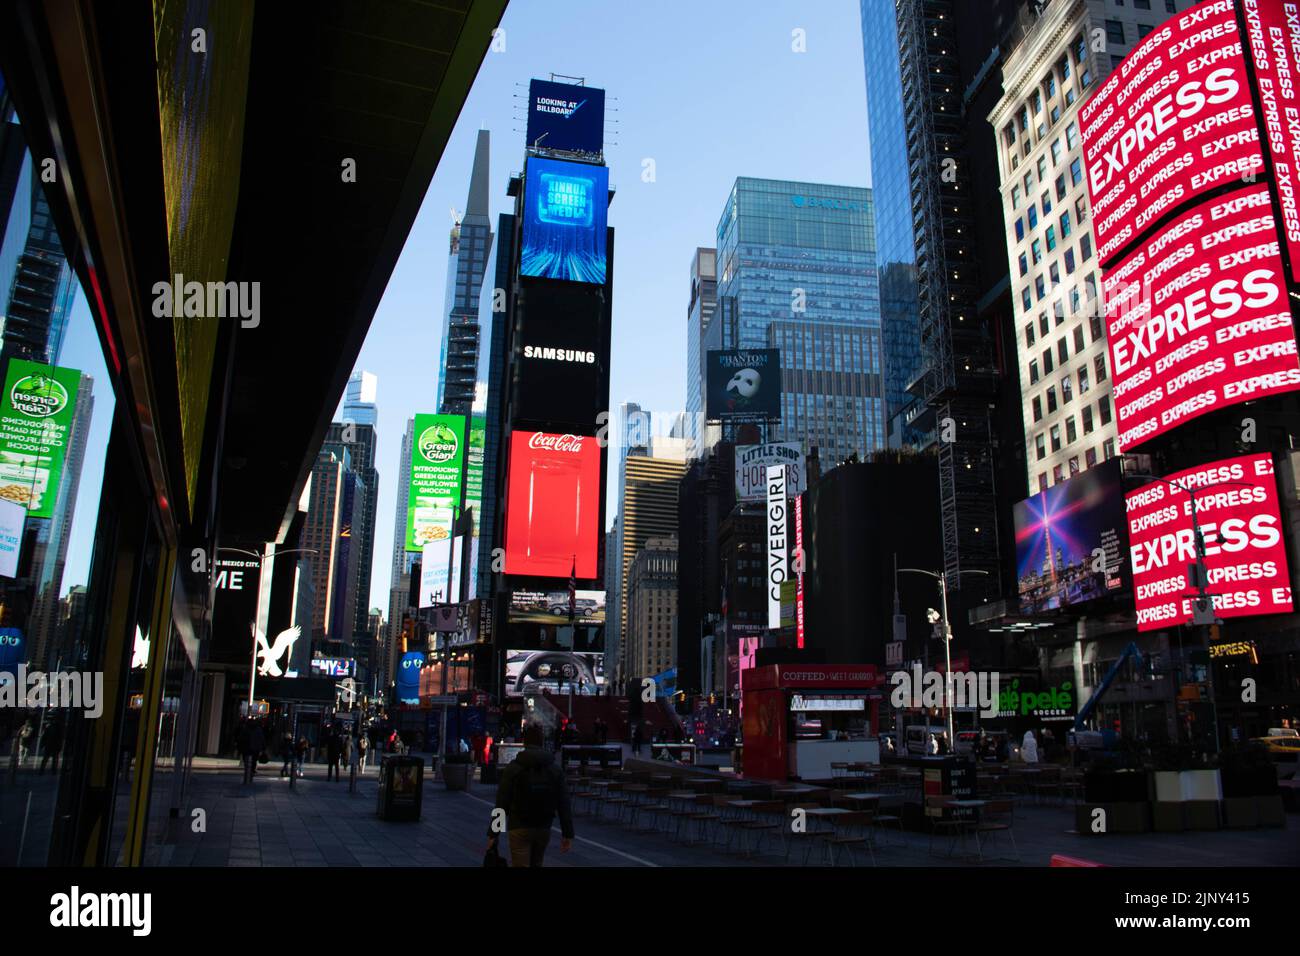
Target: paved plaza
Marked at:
320, 823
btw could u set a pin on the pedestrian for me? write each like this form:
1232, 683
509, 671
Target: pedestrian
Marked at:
944, 747
1029, 748
333, 752
636, 738
529, 796
363, 746
52, 743
352, 752
24, 741
286, 745
932, 746
300, 754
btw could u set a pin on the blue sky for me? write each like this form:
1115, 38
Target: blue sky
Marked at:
707, 90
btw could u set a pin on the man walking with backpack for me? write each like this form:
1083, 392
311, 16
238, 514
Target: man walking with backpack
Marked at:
530, 794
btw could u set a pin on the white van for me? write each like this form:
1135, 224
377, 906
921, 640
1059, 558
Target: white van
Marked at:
918, 738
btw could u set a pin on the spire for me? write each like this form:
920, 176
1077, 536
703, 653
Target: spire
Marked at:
477, 204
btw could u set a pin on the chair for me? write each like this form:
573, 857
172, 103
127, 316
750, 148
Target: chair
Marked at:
1048, 784
996, 819
850, 831
765, 817
889, 815
954, 827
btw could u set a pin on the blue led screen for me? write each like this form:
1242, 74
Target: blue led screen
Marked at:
565, 214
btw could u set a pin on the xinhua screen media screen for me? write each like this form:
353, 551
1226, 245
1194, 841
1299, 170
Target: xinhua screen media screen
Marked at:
565, 219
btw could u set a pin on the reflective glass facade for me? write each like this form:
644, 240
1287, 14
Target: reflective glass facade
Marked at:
798, 260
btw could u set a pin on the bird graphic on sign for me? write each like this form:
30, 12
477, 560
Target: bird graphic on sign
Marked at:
269, 654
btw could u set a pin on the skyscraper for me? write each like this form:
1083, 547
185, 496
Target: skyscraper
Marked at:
357, 435
470, 245
797, 263
400, 567
651, 645
895, 246
1048, 73
359, 401
699, 317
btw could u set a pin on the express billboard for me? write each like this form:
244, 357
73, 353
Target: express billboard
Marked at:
552, 525
1198, 317
565, 221
743, 385
1273, 35
565, 116
1172, 122
436, 462
1245, 553
1071, 541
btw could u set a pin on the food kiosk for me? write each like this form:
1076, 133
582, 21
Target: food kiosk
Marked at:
799, 719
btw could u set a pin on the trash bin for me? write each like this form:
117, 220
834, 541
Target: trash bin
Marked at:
401, 787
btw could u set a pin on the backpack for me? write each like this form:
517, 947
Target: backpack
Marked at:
535, 798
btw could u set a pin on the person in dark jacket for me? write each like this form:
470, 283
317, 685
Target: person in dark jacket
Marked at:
529, 796
333, 754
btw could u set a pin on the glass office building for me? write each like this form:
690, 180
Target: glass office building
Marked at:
892, 196
797, 271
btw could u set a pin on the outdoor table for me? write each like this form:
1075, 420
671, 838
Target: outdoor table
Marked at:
862, 797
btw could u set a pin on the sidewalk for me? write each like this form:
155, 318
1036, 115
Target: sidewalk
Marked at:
319, 823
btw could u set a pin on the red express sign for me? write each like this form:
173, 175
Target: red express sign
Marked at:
1172, 122
1273, 33
1198, 317
1245, 554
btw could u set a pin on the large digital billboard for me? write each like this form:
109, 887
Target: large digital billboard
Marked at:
1172, 122
743, 385
552, 505
565, 116
565, 221
561, 358
36, 415
552, 607
1198, 317
1273, 35
436, 460
556, 672
1071, 541
1245, 553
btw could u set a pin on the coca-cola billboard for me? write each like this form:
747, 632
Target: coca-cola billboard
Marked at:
552, 524
1198, 317
1245, 553
1172, 122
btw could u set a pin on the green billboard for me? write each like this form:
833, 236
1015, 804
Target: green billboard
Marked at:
437, 456
474, 469
36, 415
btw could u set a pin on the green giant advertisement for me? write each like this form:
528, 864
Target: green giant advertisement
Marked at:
437, 457
35, 424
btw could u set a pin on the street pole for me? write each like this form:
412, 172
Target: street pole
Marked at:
947, 654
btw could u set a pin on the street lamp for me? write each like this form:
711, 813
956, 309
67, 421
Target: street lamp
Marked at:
942, 578
257, 612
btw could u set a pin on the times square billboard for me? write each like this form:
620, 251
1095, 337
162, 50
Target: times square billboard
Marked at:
565, 217
1071, 541
561, 355
553, 505
1237, 513
1198, 314
565, 116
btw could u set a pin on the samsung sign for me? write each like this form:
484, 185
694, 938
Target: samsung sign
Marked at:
822, 202
559, 355
776, 543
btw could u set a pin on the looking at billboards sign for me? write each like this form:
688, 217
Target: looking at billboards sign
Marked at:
435, 479
1245, 554
552, 607
1071, 541
1172, 122
565, 221
565, 116
1198, 317
743, 385
752, 462
36, 415
552, 525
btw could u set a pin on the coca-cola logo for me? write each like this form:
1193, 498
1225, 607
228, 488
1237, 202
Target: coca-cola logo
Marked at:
570, 443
